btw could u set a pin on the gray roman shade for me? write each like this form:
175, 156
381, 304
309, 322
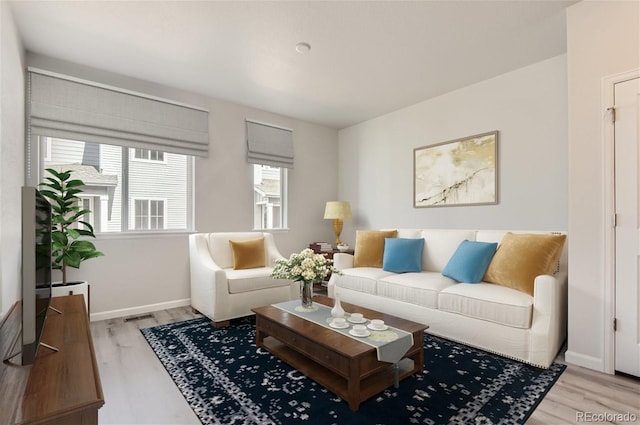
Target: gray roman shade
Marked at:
69, 109
269, 145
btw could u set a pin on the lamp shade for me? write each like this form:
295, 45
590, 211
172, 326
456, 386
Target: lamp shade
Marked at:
337, 209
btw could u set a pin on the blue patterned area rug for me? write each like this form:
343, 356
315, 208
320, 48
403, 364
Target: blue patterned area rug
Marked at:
226, 379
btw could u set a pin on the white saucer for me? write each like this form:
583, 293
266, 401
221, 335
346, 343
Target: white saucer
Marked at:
346, 325
351, 332
357, 321
383, 328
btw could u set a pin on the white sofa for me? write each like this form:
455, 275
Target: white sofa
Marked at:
488, 316
222, 293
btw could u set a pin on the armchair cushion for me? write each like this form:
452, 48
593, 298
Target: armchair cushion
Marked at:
248, 280
248, 254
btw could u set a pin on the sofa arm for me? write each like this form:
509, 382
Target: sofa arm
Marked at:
208, 280
271, 250
549, 322
342, 261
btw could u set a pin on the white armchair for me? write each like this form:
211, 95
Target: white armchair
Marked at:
221, 292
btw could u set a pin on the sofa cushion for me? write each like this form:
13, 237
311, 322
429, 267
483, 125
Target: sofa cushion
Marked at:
439, 246
248, 254
415, 288
490, 302
247, 280
220, 249
361, 279
369, 247
470, 261
497, 235
402, 255
522, 257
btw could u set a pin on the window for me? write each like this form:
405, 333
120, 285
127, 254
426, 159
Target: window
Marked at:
270, 150
149, 155
149, 214
127, 189
269, 197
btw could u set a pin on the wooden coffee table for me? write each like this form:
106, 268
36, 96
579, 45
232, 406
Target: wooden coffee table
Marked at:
345, 366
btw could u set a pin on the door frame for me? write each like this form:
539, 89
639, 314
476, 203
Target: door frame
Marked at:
608, 158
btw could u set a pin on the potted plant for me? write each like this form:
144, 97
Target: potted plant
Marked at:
69, 249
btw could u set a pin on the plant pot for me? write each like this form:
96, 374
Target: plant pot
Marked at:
72, 288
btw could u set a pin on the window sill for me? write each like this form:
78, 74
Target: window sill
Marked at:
142, 235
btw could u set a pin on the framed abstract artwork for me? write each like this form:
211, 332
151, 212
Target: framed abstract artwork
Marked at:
456, 173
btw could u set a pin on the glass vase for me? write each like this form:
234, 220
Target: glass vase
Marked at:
306, 294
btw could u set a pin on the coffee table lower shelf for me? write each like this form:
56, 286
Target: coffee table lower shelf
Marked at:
365, 388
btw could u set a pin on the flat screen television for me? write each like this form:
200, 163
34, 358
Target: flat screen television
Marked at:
36, 269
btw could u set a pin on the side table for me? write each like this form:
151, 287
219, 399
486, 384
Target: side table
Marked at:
329, 254
321, 288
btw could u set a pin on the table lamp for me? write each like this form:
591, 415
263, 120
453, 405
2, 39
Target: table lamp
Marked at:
337, 210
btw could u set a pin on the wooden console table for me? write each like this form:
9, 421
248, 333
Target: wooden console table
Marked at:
321, 288
60, 387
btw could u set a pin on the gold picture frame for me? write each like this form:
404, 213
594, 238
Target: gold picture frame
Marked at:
457, 173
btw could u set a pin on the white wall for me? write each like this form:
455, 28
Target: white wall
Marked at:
142, 273
603, 39
529, 109
11, 157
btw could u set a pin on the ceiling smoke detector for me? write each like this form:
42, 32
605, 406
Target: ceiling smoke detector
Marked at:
303, 48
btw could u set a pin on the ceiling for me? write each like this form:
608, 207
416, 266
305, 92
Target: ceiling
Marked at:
367, 58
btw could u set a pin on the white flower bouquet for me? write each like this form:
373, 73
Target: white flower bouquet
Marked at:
306, 267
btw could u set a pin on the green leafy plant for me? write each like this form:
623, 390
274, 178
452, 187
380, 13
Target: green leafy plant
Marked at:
69, 249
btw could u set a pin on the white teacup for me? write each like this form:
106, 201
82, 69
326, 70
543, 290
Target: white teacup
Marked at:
357, 317
339, 321
359, 329
377, 324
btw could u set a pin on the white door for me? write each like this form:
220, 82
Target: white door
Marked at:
627, 231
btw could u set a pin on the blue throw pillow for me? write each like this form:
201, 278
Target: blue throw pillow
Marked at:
470, 261
402, 255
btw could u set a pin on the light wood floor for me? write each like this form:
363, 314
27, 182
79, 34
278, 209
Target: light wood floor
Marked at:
138, 390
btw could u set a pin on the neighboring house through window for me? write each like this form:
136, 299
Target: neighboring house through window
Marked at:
269, 189
87, 203
149, 155
149, 214
127, 189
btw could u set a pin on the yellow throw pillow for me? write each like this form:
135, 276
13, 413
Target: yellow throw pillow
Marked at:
248, 254
522, 257
369, 249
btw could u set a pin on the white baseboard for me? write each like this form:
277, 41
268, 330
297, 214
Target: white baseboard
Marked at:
133, 311
590, 362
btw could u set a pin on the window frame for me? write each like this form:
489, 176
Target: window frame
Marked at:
46, 149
